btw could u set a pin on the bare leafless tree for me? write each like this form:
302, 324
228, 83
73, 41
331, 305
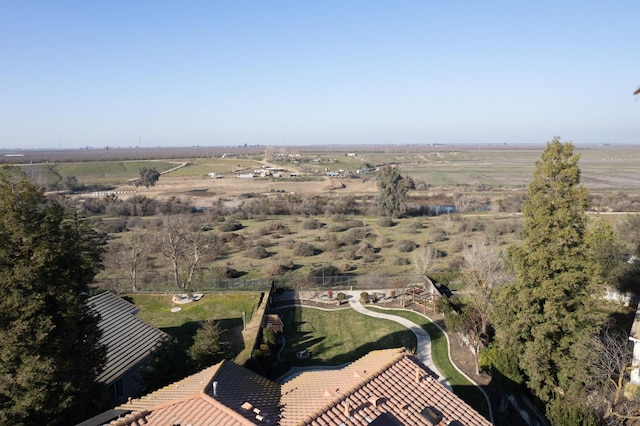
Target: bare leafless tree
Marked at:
130, 255
423, 258
186, 245
611, 358
483, 271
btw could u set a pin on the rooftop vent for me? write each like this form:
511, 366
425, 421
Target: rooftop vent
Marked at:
431, 415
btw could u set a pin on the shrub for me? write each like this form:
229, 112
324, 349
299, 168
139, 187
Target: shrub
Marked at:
400, 261
405, 246
443, 306
347, 268
225, 271
229, 226
305, 250
341, 296
258, 252
455, 262
350, 255
438, 234
280, 227
332, 245
364, 297
385, 222
369, 258
337, 228
311, 224
354, 224
338, 218
325, 271
278, 267
262, 242
269, 336
364, 249
237, 216
259, 217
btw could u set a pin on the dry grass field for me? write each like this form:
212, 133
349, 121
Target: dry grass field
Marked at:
442, 175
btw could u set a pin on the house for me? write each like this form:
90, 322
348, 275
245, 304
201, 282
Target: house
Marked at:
389, 387
128, 339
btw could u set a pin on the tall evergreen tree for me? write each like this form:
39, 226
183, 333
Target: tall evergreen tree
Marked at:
49, 340
547, 311
393, 191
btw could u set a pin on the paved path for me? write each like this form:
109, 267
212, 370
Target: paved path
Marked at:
423, 340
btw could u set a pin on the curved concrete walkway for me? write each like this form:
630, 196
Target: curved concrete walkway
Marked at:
423, 345
423, 340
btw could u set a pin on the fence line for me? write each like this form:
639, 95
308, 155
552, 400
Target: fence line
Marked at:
343, 282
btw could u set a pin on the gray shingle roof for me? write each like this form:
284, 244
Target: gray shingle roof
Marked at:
128, 339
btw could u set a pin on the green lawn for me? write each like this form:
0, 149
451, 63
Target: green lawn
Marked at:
337, 337
225, 308
440, 354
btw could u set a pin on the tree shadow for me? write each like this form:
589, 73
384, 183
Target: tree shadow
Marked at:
186, 332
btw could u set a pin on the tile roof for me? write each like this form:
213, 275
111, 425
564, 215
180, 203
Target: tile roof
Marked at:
390, 381
241, 397
194, 384
129, 340
384, 388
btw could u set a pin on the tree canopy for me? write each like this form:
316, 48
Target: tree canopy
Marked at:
541, 318
49, 339
393, 191
148, 177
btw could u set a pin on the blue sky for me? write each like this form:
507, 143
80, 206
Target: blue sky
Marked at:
181, 73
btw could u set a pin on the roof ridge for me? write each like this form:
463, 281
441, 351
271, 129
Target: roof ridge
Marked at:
222, 407
400, 353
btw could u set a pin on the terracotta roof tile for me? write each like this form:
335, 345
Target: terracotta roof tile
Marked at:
384, 388
194, 384
388, 381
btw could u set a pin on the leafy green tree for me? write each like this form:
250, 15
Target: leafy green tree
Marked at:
629, 232
208, 345
605, 250
393, 191
269, 336
543, 316
50, 353
148, 177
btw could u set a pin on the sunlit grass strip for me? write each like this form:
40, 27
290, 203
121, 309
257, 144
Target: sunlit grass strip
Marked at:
440, 355
338, 337
156, 309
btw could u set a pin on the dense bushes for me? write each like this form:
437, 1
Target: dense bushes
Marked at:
229, 226
305, 249
405, 246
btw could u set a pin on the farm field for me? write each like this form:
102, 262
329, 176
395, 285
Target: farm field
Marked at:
605, 169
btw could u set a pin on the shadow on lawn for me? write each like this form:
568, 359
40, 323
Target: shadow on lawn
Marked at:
186, 332
301, 336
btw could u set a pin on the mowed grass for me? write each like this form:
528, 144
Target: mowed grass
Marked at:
338, 337
440, 353
224, 308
